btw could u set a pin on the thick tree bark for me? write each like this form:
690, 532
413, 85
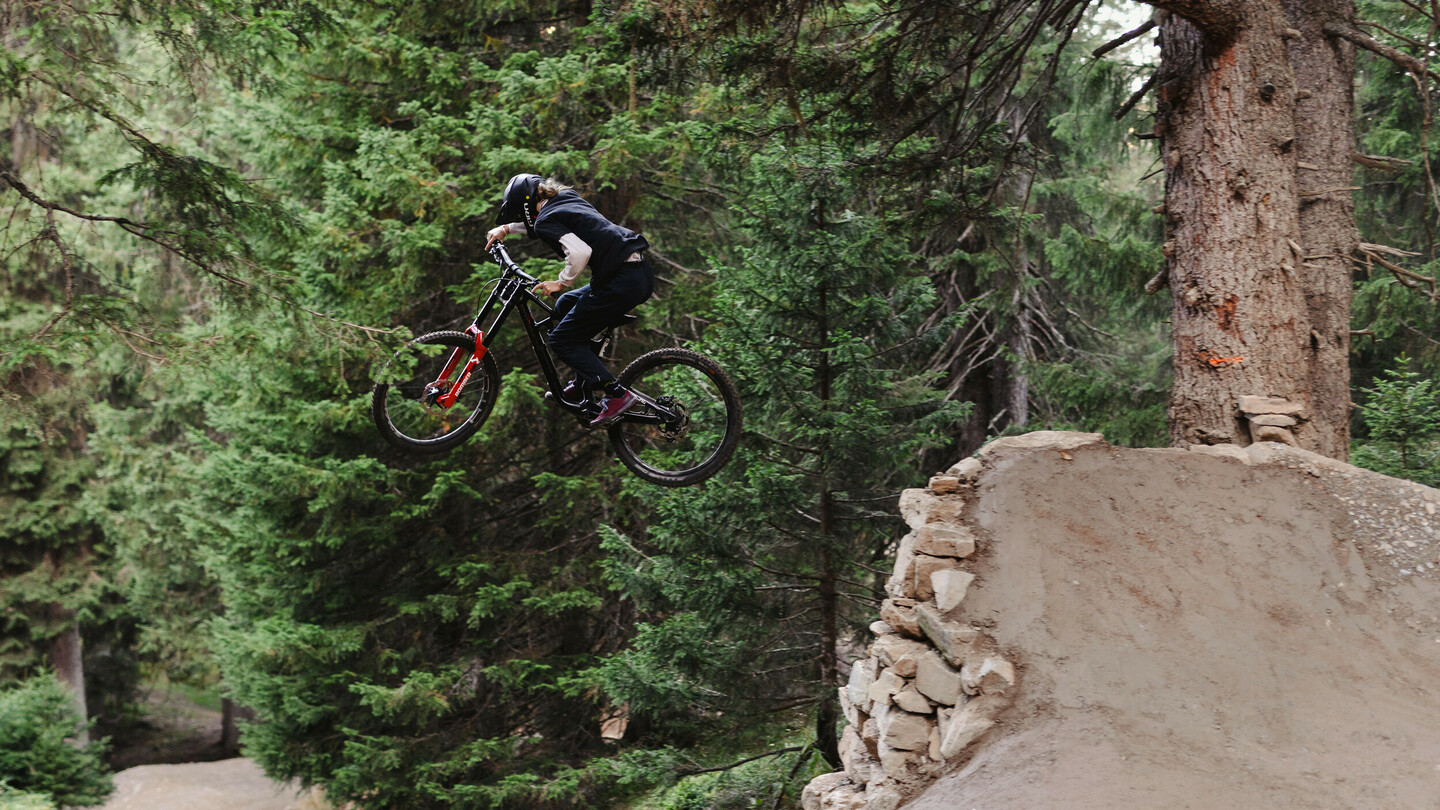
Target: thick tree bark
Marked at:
1259, 224
1324, 117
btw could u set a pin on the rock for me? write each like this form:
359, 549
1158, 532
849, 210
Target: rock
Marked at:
890, 650
820, 786
934, 749
991, 676
939, 681
860, 764
950, 638
919, 507
924, 570
882, 797
881, 628
901, 573
965, 725
905, 731
912, 701
966, 469
899, 613
886, 684
845, 798
1274, 419
1270, 433
900, 764
870, 730
1258, 405
862, 675
944, 541
847, 707
1041, 440
950, 586
944, 484
1222, 451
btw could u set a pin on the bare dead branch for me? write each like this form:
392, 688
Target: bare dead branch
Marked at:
1136, 96
1371, 247
1424, 285
1124, 38
1360, 38
1160, 281
1380, 162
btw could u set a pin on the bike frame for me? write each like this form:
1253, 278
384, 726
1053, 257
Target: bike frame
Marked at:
516, 292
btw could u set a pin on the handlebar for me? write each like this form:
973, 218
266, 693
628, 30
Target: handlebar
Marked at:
502, 258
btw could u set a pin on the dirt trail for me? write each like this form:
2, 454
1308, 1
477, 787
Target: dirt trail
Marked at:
1194, 631
230, 784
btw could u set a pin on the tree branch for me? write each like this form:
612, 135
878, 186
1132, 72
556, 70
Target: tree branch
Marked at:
1369, 43
1136, 96
1123, 38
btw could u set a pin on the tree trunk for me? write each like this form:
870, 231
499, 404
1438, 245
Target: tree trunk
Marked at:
827, 715
66, 656
229, 730
1324, 116
1257, 241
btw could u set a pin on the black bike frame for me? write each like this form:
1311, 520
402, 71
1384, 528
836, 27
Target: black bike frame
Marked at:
516, 291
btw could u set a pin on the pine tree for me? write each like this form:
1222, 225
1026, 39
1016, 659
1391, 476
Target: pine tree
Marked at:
756, 585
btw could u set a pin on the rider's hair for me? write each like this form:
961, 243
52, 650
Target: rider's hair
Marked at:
549, 188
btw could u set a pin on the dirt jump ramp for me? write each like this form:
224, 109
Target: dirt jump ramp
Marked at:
1075, 625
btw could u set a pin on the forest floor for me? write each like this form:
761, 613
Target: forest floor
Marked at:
173, 728
228, 784
1200, 631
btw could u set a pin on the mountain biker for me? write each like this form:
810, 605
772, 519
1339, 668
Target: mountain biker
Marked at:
620, 277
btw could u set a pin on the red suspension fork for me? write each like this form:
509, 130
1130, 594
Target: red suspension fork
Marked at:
448, 398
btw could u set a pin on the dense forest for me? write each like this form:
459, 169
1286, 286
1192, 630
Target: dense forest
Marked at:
903, 227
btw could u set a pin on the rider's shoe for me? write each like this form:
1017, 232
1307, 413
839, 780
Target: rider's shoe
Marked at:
572, 394
613, 407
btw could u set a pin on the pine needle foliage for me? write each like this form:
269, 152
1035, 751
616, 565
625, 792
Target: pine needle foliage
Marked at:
755, 585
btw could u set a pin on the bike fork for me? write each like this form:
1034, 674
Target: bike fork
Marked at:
448, 398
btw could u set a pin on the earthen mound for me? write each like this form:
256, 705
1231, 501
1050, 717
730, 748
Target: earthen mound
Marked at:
1216, 628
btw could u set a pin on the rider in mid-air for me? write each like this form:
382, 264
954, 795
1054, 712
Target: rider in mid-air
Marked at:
620, 278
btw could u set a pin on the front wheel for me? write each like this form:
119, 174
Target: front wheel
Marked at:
687, 423
416, 404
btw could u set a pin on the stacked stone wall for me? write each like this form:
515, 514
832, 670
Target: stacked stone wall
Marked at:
932, 684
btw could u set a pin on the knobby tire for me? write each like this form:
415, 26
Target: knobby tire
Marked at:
398, 408
674, 455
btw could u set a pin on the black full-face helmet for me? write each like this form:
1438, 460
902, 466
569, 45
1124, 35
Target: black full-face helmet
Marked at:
518, 204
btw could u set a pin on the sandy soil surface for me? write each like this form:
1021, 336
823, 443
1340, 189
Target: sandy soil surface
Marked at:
229, 784
1196, 632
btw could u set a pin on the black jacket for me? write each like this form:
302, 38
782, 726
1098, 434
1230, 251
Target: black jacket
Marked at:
610, 244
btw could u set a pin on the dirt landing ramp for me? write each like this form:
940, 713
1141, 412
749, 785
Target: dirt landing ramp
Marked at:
230, 784
1201, 631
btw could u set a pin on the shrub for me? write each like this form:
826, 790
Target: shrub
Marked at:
36, 718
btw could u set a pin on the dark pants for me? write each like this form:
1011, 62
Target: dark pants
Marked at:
591, 309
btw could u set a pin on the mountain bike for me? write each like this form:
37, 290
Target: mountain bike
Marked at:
440, 388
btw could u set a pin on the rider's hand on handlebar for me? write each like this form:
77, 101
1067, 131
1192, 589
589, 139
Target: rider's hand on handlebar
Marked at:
495, 235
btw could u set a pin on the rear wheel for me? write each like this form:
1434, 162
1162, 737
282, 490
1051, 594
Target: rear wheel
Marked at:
408, 402
692, 428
